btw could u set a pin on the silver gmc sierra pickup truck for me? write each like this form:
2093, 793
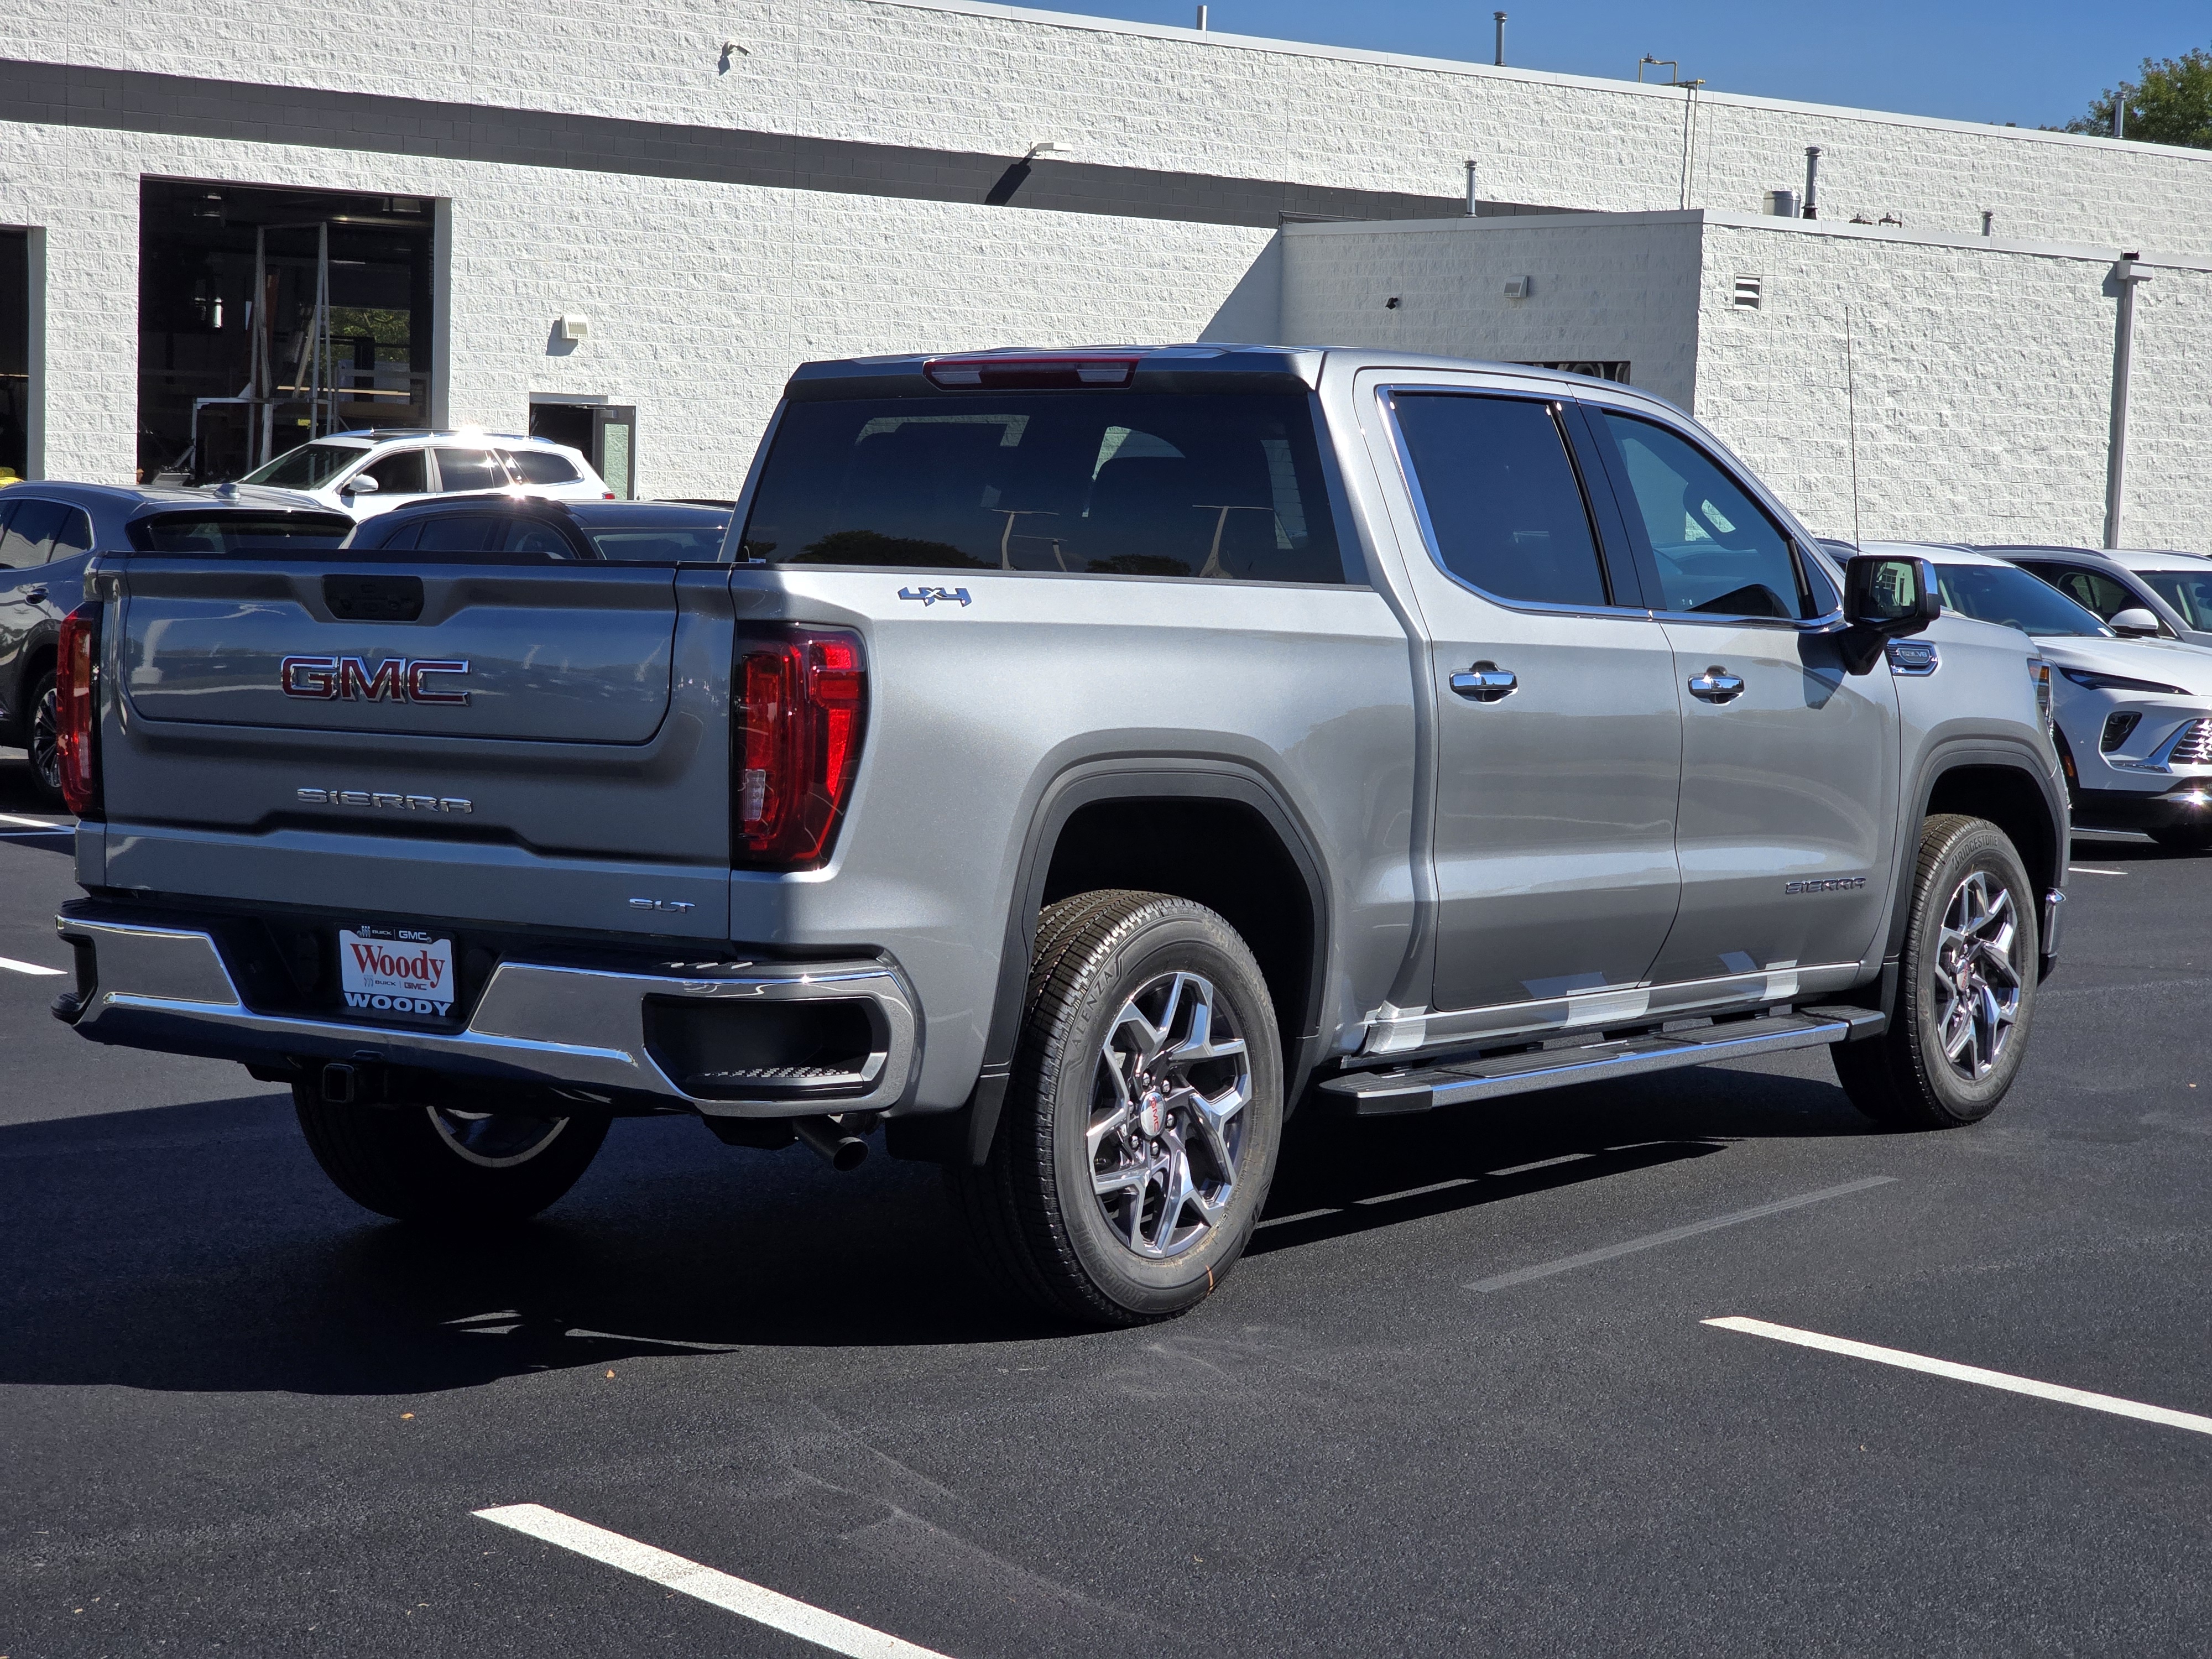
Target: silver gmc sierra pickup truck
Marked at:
1073, 763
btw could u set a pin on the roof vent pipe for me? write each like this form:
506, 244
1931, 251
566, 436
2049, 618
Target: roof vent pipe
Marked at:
1201, 19
1812, 181
1989, 222
1500, 59
1781, 204
1470, 189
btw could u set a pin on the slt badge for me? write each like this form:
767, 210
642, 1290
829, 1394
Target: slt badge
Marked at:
930, 596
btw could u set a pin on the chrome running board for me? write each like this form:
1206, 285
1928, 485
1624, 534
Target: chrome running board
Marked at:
1370, 1094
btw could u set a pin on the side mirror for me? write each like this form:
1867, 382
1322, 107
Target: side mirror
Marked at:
2134, 624
1886, 596
360, 484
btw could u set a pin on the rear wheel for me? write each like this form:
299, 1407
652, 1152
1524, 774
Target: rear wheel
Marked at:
1139, 1131
2185, 838
445, 1167
43, 742
1966, 987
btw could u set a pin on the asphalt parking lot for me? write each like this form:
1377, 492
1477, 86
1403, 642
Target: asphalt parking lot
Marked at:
1439, 1408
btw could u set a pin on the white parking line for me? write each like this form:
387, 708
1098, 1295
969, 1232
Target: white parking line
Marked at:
29, 823
15, 967
748, 1601
2091, 870
1652, 1241
1958, 1373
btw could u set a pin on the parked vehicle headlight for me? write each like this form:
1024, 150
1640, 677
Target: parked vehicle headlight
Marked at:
2095, 682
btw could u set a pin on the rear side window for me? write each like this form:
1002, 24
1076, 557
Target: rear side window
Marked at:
469, 469
539, 466
1220, 486
1501, 497
2188, 592
29, 537
240, 531
75, 537
2092, 589
1714, 548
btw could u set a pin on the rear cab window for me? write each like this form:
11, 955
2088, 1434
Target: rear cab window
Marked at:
1221, 486
237, 531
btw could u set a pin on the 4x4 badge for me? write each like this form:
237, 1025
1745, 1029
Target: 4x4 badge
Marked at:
931, 595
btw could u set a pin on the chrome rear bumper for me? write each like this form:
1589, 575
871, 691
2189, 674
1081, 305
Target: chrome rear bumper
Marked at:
581, 1029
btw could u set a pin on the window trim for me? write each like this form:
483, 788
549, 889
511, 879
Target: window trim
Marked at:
1639, 542
1387, 394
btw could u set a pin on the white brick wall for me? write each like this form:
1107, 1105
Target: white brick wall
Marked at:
1983, 379
1982, 368
1616, 289
997, 79
701, 297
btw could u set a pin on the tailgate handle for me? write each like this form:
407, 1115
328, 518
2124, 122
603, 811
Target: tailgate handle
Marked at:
373, 599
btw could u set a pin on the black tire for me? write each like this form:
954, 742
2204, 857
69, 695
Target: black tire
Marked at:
1032, 1210
2185, 838
1905, 1079
42, 734
408, 1163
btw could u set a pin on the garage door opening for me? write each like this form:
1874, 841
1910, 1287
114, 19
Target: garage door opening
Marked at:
606, 432
15, 354
268, 317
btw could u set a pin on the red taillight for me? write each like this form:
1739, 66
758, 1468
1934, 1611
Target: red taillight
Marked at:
802, 701
1032, 371
77, 728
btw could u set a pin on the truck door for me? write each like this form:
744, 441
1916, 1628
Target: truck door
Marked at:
1789, 804
1558, 731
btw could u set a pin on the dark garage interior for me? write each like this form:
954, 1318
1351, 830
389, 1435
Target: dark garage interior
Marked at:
269, 316
14, 353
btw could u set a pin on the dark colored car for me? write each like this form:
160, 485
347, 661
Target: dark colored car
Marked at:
47, 531
530, 529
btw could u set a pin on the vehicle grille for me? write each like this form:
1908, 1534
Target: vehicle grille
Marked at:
2117, 728
2194, 747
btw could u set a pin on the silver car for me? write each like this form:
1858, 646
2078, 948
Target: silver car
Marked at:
2173, 589
2134, 713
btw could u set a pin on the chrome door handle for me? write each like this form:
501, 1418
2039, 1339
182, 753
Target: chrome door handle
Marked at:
1484, 683
1716, 685
33, 595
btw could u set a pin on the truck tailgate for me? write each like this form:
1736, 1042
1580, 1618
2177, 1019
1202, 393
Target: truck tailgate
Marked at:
544, 745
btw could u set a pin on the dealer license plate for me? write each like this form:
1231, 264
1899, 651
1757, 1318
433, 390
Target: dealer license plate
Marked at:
397, 970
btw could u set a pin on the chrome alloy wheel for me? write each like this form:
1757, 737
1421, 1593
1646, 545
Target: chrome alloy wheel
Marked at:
46, 747
1977, 982
495, 1140
1167, 1125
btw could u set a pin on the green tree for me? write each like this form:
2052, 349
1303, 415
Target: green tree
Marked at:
2169, 102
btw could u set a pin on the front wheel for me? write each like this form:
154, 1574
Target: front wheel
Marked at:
1966, 986
1140, 1130
444, 1167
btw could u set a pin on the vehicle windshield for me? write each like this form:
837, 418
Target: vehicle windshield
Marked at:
2189, 592
671, 543
308, 467
2007, 595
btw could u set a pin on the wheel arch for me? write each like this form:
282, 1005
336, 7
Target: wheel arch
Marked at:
1131, 822
2008, 784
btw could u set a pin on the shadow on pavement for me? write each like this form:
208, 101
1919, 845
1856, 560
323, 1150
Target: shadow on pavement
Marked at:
199, 1248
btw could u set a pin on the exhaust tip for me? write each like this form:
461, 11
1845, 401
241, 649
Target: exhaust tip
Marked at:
837, 1146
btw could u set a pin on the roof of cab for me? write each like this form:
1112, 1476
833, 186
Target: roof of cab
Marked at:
1190, 366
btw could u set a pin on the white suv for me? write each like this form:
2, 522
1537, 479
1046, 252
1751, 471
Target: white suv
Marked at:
372, 472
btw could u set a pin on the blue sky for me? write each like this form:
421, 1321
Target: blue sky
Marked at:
2033, 62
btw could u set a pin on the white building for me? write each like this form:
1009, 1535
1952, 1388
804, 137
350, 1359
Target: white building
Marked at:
707, 198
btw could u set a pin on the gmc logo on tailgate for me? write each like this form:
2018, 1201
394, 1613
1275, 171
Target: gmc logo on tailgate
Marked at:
350, 679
